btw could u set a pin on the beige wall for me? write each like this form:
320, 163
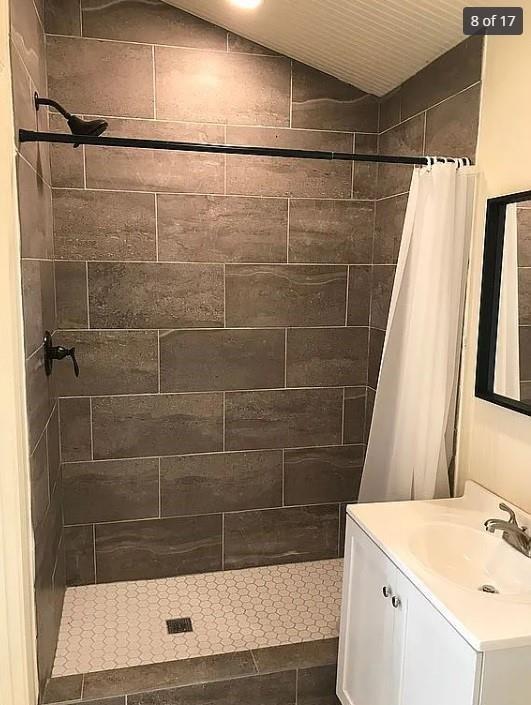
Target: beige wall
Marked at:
495, 442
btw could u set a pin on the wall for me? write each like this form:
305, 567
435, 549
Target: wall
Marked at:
495, 449
219, 305
36, 248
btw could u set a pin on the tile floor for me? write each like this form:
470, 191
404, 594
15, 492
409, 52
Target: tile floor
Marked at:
118, 625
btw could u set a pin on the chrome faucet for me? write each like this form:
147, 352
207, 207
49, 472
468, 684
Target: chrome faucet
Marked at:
513, 534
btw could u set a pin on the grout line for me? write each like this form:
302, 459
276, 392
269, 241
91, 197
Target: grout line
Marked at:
200, 263
91, 430
158, 361
76, 331
343, 418
82, 685
224, 296
157, 257
154, 80
224, 413
285, 358
346, 298
353, 167
94, 551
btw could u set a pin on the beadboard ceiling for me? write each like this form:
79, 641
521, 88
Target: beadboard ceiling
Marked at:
372, 44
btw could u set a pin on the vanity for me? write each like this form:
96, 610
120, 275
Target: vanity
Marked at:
436, 610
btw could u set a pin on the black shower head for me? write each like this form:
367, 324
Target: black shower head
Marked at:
77, 125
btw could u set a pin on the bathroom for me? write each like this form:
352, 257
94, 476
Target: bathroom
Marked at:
228, 347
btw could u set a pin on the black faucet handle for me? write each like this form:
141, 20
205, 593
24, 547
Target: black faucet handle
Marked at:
57, 352
72, 354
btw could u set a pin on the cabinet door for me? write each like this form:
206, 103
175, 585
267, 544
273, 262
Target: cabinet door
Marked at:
439, 667
368, 650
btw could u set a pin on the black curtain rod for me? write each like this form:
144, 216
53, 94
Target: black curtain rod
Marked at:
31, 136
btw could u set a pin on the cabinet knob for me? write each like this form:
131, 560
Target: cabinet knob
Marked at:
386, 591
396, 602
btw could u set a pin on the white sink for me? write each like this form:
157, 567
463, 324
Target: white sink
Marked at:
472, 558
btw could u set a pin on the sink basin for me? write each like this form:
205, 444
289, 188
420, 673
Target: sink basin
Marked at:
472, 559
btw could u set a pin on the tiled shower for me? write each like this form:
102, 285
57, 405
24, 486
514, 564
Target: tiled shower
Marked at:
228, 312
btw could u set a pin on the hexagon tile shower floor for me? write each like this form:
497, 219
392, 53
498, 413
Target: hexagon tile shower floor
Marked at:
124, 624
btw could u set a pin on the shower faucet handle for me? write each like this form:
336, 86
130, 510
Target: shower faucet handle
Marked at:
57, 352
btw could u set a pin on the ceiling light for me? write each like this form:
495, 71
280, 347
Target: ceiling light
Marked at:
247, 4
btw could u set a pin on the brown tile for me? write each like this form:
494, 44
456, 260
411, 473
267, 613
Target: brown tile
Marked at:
376, 343
326, 357
155, 295
303, 655
28, 37
126, 169
39, 482
240, 45
388, 226
383, 276
285, 295
317, 475
323, 102
525, 352
270, 176
209, 360
150, 425
524, 237
354, 415
450, 73
227, 482
35, 213
272, 536
221, 229
525, 392
283, 418
67, 164
79, 547
39, 396
110, 362
150, 22
59, 690
110, 490
38, 297
106, 701
342, 528
404, 139
54, 450
359, 295
524, 296
369, 412
365, 178
62, 17
317, 686
157, 548
452, 126
108, 78
170, 673
71, 294
241, 89
330, 231
99, 225
390, 109
75, 429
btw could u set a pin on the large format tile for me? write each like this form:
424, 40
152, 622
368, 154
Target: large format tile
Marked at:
209, 360
285, 295
283, 419
525, 352
76, 441
110, 490
288, 535
151, 425
383, 277
452, 126
59, 690
303, 655
524, 296
54, 450
62, 17
240, 45
406, 139
205, 484
221, 228
155, 295
71, 294
79, 548
317, 686
28, 37
106, 78
158, 548
354, 415
35, 213
388, 227
316, 475
110, 362
67, 164
365, 176
330, 231
241, 89
390, 107
323, 102
151, 22
271, 176
326, 357
39, 482
123, 168
98, 225
359, 295
376, 343
40, 396
38, 298
524, 236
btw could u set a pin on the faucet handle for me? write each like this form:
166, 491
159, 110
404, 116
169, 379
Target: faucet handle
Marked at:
512, 515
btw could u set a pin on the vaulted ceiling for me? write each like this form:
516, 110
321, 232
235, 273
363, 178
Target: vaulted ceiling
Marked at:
372, 44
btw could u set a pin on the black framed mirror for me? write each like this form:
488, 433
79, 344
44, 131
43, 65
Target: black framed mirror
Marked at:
503, 374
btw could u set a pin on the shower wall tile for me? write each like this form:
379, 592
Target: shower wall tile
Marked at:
326, 357
407, 138
382, 286
71, 294
38, 295
359, 284
220, 482
35, 213
369, 409
242, 89
221, 360
287, 418
275, 536
79, 550
39, 482
525, 352
524, 296
285, 295
76, 440
54, 450
112, 78
28, 39
95, 225
111, 490
62, 17
158, 548
150, 22
241, 45
354, 415
40, 397
317, 685
524, 234
66, 163
452, 126
327, 231
155, 295
111, 362
307, 178
365, 176
376, 342
390, 109
151, 425
317, 475
222, 229
389, 220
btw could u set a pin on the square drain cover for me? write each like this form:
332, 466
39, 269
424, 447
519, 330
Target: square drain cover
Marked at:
179, 626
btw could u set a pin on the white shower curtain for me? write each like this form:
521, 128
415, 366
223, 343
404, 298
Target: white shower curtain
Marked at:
411, 438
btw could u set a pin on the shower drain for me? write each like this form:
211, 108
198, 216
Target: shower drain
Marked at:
489, 588
181, 625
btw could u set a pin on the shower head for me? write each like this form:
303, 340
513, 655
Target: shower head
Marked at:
77, 125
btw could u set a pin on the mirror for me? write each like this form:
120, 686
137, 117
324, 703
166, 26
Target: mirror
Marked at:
504, 347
